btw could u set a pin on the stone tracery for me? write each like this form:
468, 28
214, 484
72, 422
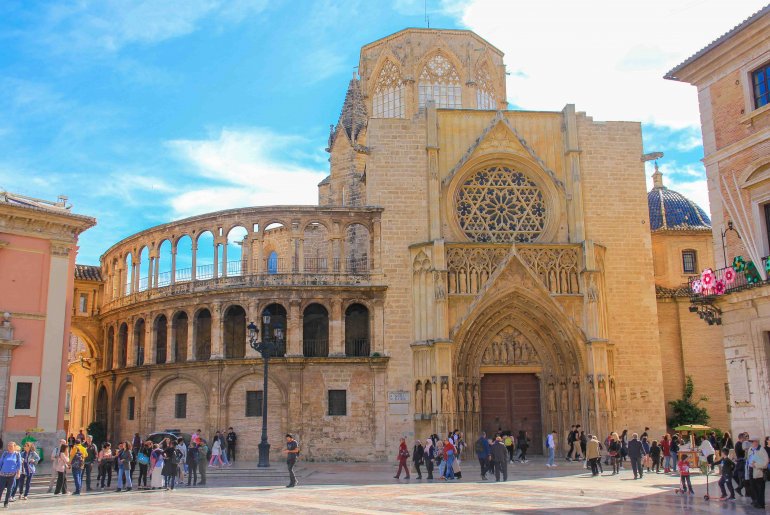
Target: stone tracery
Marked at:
388, 98
440, 82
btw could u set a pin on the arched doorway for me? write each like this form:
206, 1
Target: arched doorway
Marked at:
100, 413
234, 326
202, 335
315, 331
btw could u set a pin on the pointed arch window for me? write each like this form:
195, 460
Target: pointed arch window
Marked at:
485, 89
440, 82
388, 99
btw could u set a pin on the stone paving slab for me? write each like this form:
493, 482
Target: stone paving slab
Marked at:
369, 489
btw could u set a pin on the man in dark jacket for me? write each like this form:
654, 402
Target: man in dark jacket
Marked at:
500, 459
483, 452
635, 454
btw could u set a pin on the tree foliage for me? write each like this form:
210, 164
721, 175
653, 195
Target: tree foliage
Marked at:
98, 431
687, 409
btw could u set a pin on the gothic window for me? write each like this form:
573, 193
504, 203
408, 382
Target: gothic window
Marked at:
502, 205
388, 99
485, 89
439, 82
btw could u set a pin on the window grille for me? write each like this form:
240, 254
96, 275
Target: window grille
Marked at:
180, 405
254, 402
338, 406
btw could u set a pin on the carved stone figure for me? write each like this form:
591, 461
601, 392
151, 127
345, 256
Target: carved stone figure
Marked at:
551, 397
446, 406
428, 398
440, 291
575, 396
461, 397
476, 402
418, 399
564, 397
526, 352
487, 357
613, 395
603, 394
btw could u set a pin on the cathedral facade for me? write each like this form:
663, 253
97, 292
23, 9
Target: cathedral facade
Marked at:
467, 267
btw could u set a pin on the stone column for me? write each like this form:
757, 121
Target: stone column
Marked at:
294, 338
259, 265
301, 254
336, 336
150, 342
173, 265
216, 260
156, 270
170, 347
253, 315
224, 258
150, 271
194, 264
130, 344
216, 332
190, 336
378, 328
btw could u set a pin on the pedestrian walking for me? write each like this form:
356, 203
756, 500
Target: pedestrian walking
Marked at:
192, 464
216, 453
124, 458
143, 460
136, 446
623, 446
77, 462
60, 466
500, 459
483, 453
655, 456
29, 461
614, 449
684, 475
508, 441
665, 446
401, 457
429, 455
636, 453
54, 455
417, 457
522, 444
450, 453
292, 453
726, 470
550, 445
10, 470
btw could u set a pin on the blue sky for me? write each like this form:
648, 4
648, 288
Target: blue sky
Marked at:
146, 111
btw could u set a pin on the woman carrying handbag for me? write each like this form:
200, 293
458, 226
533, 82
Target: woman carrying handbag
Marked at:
61, 465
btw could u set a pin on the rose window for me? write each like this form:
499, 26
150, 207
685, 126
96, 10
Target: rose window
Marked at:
500, 205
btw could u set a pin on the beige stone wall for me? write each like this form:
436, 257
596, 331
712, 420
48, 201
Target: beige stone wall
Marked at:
164, 407
610, 161
667, 247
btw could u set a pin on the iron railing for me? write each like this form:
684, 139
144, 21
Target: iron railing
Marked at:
315, 348
357, 348
722, 284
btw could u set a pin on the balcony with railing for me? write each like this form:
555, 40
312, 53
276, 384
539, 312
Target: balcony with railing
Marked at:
352, 271
741, 275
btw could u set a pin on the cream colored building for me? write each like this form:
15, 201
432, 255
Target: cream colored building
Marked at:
467, 267
731, 75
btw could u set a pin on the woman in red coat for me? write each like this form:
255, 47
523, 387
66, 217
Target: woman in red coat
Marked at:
403, 455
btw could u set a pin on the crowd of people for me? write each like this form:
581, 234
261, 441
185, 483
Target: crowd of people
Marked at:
165, 464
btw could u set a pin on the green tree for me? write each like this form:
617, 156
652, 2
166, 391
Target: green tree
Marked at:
687, 409
98, 431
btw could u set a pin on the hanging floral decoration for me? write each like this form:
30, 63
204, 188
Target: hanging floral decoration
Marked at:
739, 264
729, 276
752, 274
719, 287
707, 279
696, 287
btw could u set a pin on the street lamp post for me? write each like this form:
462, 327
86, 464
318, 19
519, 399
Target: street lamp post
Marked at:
264, 348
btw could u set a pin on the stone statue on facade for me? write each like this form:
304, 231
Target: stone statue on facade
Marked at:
551, 398
418, 399
446, 406
476, 402
428, 398
575, 396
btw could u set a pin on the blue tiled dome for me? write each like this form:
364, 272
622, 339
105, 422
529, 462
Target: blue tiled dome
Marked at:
670, 210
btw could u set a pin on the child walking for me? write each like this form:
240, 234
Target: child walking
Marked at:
727, 467
684, 474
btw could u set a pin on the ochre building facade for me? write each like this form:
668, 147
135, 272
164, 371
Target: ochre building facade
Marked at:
467, 267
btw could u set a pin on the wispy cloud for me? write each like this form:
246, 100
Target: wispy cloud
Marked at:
244, 167
687, 179
109, 25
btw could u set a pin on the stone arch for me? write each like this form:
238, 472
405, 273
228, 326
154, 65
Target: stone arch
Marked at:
101, 407
160, 336
122, 345
315, 330
180, 325
140, 345
357, 330
162, 403
358, 247
316, 243
276, 331
234, 408
432, 67
202, 328
127, 413
109, 352
234, 331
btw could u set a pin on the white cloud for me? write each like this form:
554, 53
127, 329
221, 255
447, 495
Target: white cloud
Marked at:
607, 57
109, 25
252, 165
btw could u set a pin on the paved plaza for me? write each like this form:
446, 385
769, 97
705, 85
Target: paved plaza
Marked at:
370, 489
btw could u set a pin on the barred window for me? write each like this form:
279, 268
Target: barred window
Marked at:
23, 396
761, 83
689, 261
254, 402
440, 82
180, 405
388, 99
131, 408
338, 403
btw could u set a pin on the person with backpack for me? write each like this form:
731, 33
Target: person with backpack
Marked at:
484, 454
508, 442
401, 457
170, 465
29, 461
429, 454
10, 470
500, 458
124, 458
77, 463
550, 445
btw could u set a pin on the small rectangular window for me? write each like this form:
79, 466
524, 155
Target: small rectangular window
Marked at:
689, 261
254, 401
761, 84
131, 407
338, 405
23, 396
180, 405
83, 302
67, 401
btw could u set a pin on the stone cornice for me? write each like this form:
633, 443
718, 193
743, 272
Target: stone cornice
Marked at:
39, 223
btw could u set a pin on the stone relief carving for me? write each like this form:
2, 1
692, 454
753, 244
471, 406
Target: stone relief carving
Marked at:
419, 407
428, 398
446, 406
476, 400
509, 347
551, 398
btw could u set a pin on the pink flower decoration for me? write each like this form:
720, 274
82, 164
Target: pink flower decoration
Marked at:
719, 288
707, 279
696, 286
729, 276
